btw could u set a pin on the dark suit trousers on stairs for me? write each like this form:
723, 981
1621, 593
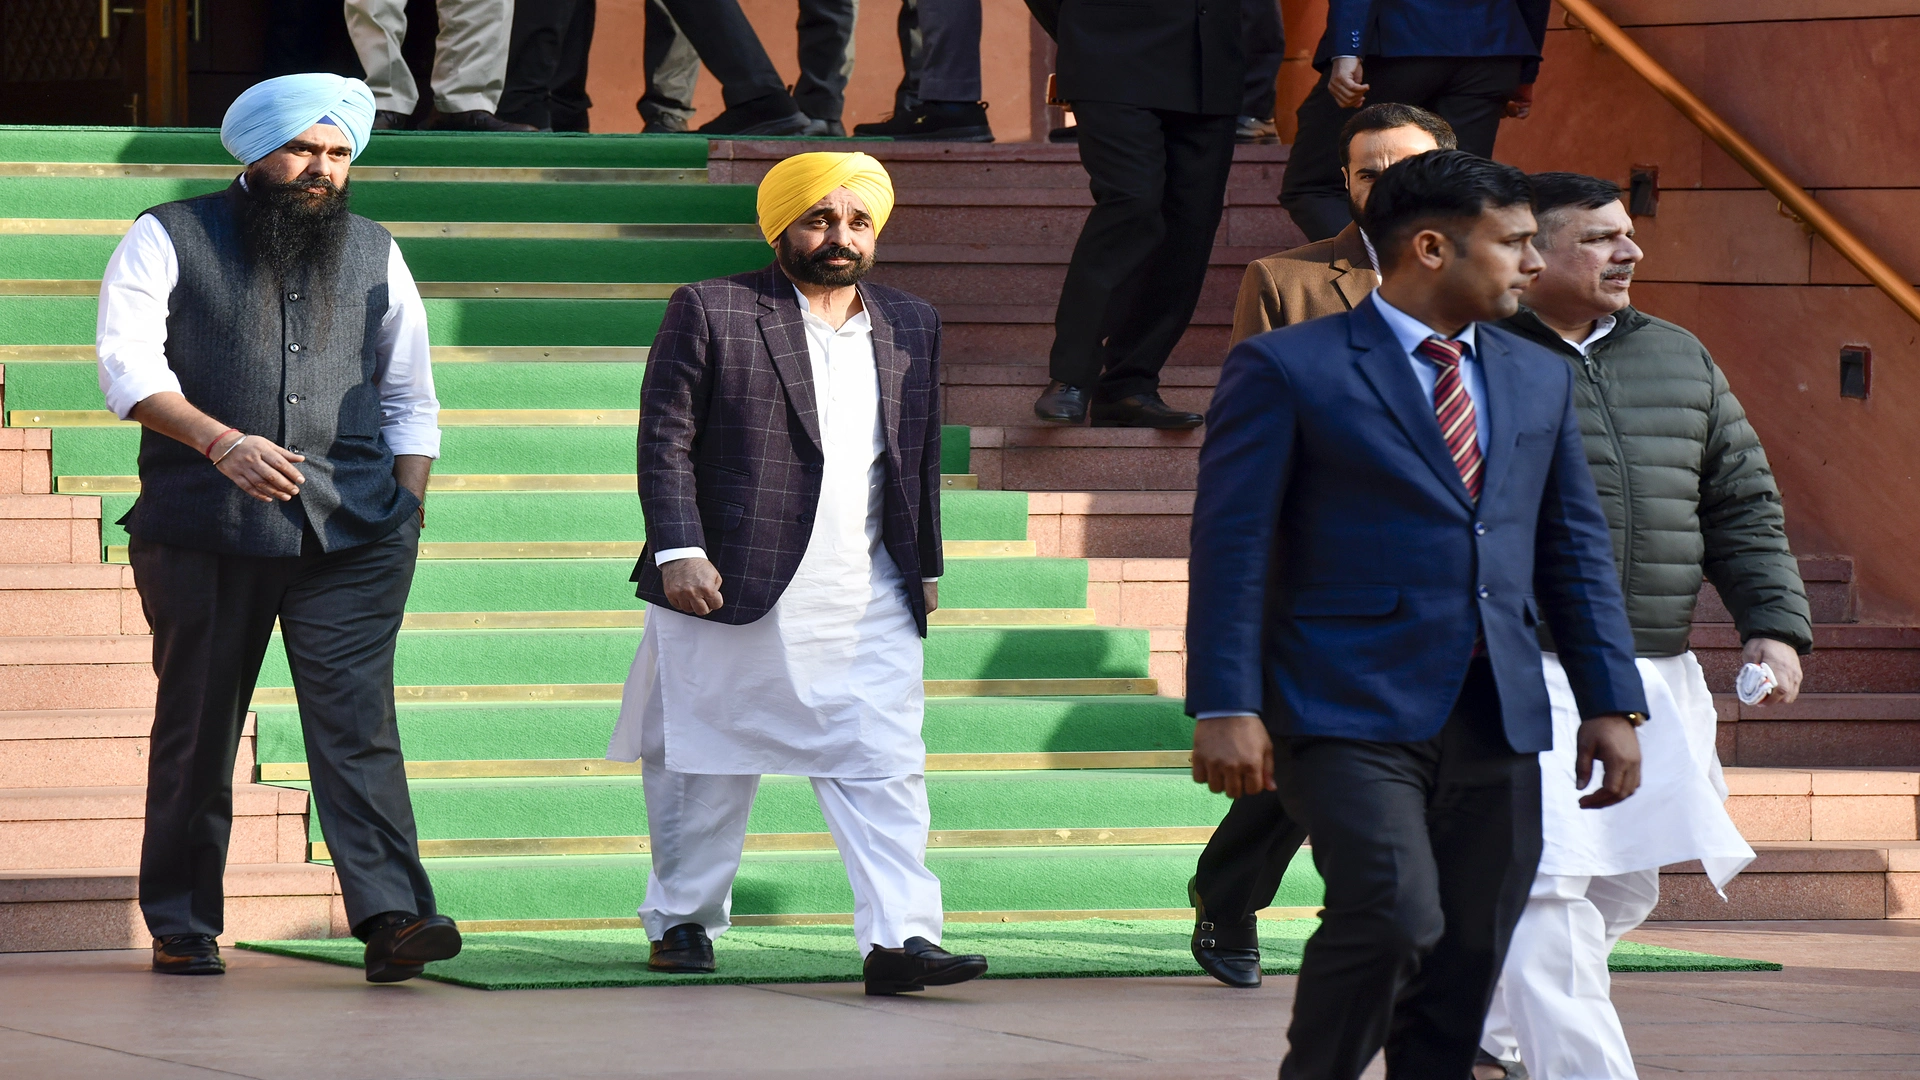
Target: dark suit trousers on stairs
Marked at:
1240, 870
213, 617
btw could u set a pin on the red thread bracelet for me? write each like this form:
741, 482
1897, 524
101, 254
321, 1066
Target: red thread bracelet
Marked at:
208, 452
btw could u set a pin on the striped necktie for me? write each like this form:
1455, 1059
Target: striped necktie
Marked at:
1454, 409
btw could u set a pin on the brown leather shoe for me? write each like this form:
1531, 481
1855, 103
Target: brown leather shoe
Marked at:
188, 954
685, 949
402, 945
1143, 410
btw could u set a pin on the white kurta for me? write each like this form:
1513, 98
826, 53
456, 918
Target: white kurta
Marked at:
1678, 813
828, 683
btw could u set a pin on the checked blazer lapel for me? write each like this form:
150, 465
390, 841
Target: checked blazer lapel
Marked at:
1387, 368
785, 333
891, 362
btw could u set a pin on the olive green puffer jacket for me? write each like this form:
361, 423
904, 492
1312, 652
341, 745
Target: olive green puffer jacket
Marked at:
1684, 483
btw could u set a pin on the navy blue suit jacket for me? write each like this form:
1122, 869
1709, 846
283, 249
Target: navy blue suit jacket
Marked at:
1341, 572
1433, 28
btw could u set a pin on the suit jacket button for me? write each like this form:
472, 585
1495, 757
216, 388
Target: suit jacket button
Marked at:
1479, 528
1485, 592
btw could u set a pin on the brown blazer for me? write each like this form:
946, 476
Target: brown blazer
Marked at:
1326, 277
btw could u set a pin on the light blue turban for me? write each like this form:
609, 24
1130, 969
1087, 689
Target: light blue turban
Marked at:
270, 114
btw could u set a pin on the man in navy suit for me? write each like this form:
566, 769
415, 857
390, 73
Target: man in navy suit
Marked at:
1471, 61
1390, 500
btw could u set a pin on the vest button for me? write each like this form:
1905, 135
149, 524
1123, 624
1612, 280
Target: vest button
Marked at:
295, 347
293, 399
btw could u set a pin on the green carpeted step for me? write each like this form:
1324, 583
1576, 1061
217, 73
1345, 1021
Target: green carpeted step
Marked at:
603, 585
201, 146
451, 258
69, 320
593, 516
125, 198
1030, 879
613, 806
465, 732
956, 455
542, 385
492, 657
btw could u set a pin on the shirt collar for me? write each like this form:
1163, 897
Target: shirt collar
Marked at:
856, 323
1601, 328
1410, 332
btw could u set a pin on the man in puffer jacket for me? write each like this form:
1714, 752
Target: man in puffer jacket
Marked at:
1688, 492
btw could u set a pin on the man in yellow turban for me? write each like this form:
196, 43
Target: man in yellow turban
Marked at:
790, 478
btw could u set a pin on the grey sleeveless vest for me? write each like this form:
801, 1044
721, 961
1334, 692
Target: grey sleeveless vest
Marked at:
293, 361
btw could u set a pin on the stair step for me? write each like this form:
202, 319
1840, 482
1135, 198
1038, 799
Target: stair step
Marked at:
1823, 730
1054, 458
1783, 804
409, 148
1847, 658
87, 747
1111, 524
49, 529
1804, 880
61, 828
991, 395
79, 672
68, 599
57, 910
500, 768
581, 729
1829, 583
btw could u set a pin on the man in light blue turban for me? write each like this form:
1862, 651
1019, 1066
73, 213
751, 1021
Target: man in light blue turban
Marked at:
273, 347
269, 114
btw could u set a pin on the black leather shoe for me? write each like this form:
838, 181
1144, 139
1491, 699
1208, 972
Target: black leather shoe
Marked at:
683, 950
188, 954
1143, 410
400, 945
1228, 953
475, 120
1061, 404
388, 120
1510, 1070
916, 965
768, 114
950, 121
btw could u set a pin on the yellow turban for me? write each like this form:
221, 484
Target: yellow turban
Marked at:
804, 179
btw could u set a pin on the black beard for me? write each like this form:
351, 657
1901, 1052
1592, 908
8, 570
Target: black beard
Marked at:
812, 269
292, 232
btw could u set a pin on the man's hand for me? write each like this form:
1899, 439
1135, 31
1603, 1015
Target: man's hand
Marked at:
1611, 741
931, 591
1233, 754
411, 471
1520, 102
1343, 82
1785, 663
261, 469
693, 586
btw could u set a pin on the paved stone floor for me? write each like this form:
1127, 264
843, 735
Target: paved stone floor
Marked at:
1848, 1003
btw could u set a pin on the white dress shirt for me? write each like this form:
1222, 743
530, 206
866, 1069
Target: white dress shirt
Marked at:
131, 336
1601, 328
1411, 332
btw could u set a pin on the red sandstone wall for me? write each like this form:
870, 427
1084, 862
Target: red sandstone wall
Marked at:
616, 74
1830, 90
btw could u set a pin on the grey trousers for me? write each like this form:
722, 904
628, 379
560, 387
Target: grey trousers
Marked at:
683, 34
212, 617
469, 56
939, 52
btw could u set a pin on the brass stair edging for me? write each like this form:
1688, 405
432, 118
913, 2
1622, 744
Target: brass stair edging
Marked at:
454, 482
527, 768
509, 693
57, 418
441, 354
783, 842
1791, 195
535, 926
431, 290
636, 618
439, 230
630, 549
418, 174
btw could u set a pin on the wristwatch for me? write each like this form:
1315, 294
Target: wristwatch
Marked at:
1636, 718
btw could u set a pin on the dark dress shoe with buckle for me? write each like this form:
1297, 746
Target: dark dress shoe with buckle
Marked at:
916, 965
188, 954
683, 950
1228, 953
1143, 410
1062, 404
399, 945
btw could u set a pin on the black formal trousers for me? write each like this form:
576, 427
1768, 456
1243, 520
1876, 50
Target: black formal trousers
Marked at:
1469, 93
1240, 869
1427, 850
547, 64
683, 34
1266, 45
212, 617
1158, 179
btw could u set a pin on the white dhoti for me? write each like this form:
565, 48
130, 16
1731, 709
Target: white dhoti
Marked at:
1600, 875
827, 685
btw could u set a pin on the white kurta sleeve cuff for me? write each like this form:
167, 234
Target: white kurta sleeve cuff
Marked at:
662, 558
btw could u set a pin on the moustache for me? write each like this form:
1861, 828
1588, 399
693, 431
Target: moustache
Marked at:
834, 251
1617, 273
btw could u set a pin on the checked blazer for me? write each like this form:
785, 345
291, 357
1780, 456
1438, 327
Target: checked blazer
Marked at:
729, 454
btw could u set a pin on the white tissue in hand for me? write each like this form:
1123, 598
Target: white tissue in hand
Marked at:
1754, 682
